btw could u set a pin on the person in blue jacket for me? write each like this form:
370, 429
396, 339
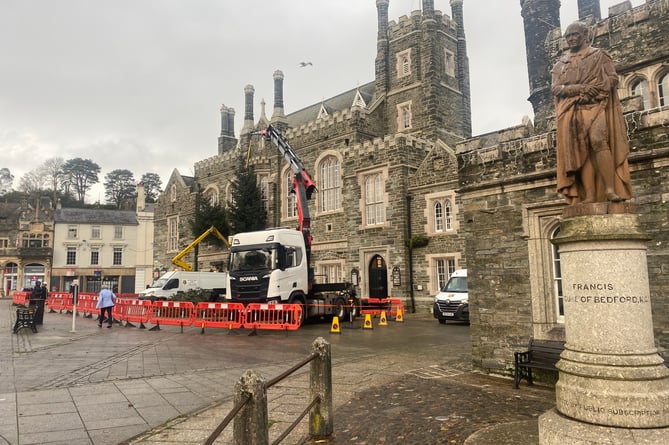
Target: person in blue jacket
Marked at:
105, 304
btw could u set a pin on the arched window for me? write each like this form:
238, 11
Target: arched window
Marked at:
173, 193
438, 217
640, 88
663, 89
291, 200
211, 195
557, 279
330, 184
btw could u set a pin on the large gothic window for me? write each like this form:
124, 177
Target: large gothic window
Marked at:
330, 184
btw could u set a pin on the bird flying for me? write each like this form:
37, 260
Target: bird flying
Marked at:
303, 64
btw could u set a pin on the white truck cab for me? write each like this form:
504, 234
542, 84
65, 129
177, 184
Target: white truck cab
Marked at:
452, 302
267, 265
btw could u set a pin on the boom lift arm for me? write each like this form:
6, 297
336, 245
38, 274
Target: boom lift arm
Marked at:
303, 185
185, 266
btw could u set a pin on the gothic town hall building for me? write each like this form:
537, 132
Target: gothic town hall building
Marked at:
406, 195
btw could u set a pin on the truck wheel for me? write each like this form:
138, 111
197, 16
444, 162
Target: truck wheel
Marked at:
300, 301
340, 309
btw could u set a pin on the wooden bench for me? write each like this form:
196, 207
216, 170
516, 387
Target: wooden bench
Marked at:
540, 354
25, 318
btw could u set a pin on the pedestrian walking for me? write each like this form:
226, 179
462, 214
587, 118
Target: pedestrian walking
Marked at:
106, 300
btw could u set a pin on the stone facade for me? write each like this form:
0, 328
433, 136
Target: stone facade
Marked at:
487, 203
26, 244
511, 209
392, 138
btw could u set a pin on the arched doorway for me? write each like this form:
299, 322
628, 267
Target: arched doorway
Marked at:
378, 277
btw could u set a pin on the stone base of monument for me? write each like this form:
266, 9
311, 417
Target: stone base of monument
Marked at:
612, 383
554, 428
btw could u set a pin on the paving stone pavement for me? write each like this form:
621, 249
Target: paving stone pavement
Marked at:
116, 387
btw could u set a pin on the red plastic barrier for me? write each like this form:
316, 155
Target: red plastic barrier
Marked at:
58, 301
176, 313
136, 311
273, 316
395, 305
86, 304
219, 315
21, 298
375, 306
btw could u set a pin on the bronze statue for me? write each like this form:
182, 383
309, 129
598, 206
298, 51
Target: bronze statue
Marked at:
592, 143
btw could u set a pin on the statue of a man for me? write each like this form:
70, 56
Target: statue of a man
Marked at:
592, 143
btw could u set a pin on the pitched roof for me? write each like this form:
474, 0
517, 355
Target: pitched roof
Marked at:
96, 216
342, 101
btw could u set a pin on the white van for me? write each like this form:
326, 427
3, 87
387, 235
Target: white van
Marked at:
167, 286
452, 302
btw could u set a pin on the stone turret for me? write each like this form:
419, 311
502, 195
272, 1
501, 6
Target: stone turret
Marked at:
463, 68
227, 140
381, 64
248, 109
589, 10
541, 20
278, 115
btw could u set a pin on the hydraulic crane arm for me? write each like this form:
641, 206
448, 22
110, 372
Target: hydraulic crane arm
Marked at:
303, 185
177, 260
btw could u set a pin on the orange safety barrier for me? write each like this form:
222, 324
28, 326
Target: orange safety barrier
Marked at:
136, 311
21, 298
375, 306
57, 301
273, 316
396, 304
219, 315
86, 304
176, 313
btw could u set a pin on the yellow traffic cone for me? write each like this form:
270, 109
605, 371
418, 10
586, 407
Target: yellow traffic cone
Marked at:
368, 322
399, 317
383, 321
335, 325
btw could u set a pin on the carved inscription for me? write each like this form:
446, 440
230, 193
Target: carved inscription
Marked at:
602, 293
614, 411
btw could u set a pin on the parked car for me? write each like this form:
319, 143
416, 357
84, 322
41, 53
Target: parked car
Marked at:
452, 302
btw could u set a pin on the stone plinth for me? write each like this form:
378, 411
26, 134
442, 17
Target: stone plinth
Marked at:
610, 372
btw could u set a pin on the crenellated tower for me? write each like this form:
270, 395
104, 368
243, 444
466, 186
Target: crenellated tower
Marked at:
422, 73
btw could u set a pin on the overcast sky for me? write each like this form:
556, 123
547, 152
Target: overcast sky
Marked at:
138, 84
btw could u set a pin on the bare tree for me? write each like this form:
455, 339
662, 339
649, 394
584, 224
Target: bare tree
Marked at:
33, 182
6, 179
53, 171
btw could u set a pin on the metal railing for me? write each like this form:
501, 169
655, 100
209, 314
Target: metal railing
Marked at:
251, 421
